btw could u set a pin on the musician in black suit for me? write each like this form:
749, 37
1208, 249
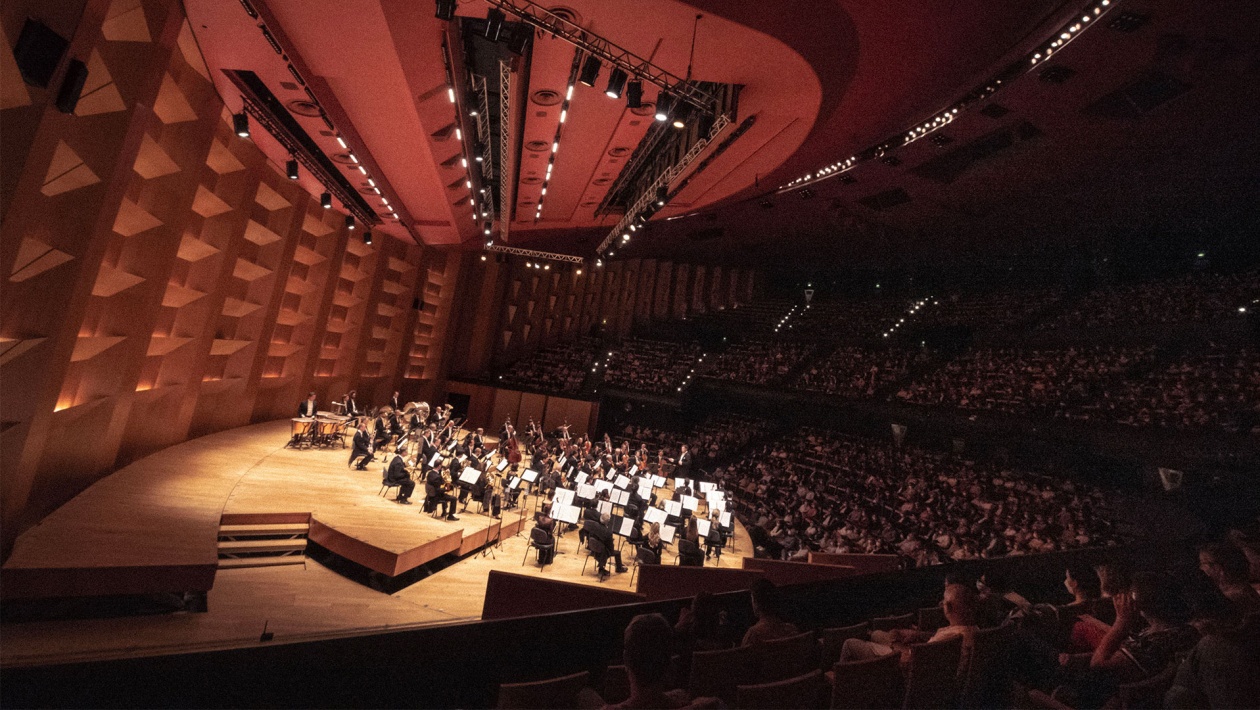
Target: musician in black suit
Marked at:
478, 439
352, 408
396, 474
381, 436
308, 406
684, 463
362, 446
436, 494
599, 530
394, 402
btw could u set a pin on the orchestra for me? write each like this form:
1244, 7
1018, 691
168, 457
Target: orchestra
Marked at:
423, 444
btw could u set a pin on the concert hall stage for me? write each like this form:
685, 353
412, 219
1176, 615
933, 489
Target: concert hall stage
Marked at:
154, 527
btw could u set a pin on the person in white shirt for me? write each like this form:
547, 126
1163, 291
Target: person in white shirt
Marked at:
960, 607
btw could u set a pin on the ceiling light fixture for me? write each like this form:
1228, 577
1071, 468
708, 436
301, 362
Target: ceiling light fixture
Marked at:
325, 200
350, 222
367, 237
681, 113
616, 83
634, 94
291, 169
590, 70
494, 24
240, 124
664, 102
445, 10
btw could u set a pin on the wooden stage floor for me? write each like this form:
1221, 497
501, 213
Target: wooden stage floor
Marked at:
165, 510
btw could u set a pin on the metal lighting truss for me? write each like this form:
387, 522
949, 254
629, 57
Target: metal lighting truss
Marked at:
663, 180
483, 126
505, 108
299, 153
632, 64
535, 254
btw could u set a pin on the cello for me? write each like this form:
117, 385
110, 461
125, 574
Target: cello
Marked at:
513, 446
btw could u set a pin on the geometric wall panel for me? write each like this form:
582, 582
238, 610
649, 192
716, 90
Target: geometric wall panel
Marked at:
312, 225
11, 349
207, 204
171, 105
89, 346
111, 281
35, 257
133, 219
228, 347
160, 346
152, 161
221, 159
193, 250
249, 271
13, 92
66, 172
125, 22
236, 308
177, 296
192, 53
270, 199
259, 234
100, 93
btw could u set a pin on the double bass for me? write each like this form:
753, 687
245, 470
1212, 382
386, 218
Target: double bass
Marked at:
513, 446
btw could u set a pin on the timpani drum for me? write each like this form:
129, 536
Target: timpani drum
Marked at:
301, 431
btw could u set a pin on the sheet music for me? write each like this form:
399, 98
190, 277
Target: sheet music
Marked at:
530, 475
581, 477
706, 486
690, 503
726, 519
503, 463
680, 482
668, 532
621, 481
659, 481
437, 456
674, 508
655, 515
470, 475
715, 498
702, 527
565, 513
645, 491
620, 497
585, 492
604, 506
564, 495
627, 525
634, 469
562, 460
603, 486
514, 483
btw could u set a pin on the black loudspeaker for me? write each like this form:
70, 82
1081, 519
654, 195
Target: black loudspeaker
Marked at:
72, 87
38, 51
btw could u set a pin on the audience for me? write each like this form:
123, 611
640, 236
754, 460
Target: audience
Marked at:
856, 373
759, 362
768, 608
960, 607
1194, 298
655, 366
560, 368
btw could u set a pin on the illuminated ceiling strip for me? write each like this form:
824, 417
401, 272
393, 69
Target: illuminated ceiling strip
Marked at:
1089, 16
456, 98
663, 180
532, 253
555, 139
632, 64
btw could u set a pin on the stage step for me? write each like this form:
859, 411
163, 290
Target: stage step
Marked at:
237, 547
246, 562
263, 530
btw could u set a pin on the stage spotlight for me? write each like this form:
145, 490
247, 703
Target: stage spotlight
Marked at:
662, 194
634, 94
681, 113
291, 169
325, 200
240, 124
616, 83
520, 38
494, 24
664, 102
350, 222
367, 237
445, 10
590, 70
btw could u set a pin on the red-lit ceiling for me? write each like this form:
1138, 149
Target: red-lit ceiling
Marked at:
824, 78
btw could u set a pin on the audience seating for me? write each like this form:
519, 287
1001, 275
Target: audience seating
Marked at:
983, 663
876, 684
543, 694
785, 658
717, 673
888, 623
616, 685
932, 673
803, 691
931, 618
831, 641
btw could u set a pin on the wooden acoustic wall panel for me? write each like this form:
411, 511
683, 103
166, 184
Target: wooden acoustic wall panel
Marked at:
714, 301
437, 294
698, 294
664, 280
73, 268
681, 274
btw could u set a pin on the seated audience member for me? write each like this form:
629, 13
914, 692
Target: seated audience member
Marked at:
1220, 671
1227, 567
960, 606
648, 641
689, 552
1129, 655
702, 626
768, 607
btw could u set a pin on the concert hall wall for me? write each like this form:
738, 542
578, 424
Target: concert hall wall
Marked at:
163, 279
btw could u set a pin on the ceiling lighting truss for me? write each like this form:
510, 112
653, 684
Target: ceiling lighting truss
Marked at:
611, 54
1086, 17
348, 200
481, 96
505, 142
535, 254
649, 194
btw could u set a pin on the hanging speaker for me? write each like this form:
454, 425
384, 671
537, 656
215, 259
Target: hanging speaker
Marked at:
72, 87
38, 51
